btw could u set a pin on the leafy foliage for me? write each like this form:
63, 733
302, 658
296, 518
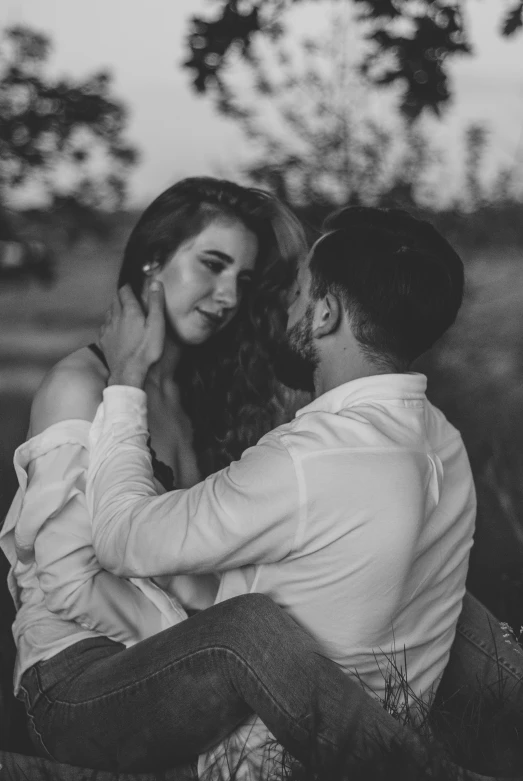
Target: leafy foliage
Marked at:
319, 141
62, 136
410, 42
417, 58
514, 19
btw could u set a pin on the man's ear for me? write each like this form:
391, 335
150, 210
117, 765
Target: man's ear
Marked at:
327, 316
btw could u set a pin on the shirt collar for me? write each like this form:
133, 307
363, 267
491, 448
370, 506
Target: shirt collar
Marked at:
368, 389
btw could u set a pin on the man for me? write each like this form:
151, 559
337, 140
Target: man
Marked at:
356, 517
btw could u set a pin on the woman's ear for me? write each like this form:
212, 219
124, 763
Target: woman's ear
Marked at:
327, 316
150, 270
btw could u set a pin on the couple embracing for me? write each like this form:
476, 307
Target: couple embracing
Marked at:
185, 568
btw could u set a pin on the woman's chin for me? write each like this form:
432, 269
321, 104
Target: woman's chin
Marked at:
192, 339
187, 337
196, 341
192, 334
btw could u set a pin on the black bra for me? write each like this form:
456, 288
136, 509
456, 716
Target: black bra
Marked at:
162, 471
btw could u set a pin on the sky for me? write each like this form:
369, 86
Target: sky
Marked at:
142, 42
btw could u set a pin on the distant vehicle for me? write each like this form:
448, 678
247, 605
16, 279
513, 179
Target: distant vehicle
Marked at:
23, 259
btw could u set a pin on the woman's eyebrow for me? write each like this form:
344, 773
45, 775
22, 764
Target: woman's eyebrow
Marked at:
227, 259
218, 254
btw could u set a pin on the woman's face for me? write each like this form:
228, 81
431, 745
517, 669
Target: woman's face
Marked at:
206, 277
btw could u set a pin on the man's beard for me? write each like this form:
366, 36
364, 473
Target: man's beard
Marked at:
297, 357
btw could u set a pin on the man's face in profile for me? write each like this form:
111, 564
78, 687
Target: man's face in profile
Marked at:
298, 359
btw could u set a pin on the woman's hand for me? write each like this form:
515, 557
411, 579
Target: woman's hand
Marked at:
131, 341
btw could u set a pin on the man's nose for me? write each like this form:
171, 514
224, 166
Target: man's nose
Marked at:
290, 296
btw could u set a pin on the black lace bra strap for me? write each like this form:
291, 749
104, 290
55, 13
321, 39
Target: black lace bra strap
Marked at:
162, 471
99, 354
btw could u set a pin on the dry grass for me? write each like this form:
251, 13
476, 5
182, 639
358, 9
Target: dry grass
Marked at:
482, 740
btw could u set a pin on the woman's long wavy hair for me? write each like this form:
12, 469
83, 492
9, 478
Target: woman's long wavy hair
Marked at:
228, 384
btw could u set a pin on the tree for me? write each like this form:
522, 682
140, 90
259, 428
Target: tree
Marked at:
61, 137
476, 145
318, 142
410, 42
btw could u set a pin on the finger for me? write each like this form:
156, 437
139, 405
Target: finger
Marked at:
127, 297
113, 311
156, 305
156, 293
155, 300
115, 306
120, 295
109, 313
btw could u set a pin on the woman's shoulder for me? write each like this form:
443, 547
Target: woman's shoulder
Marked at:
71, 390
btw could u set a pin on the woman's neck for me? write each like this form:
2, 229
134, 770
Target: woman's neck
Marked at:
161, 375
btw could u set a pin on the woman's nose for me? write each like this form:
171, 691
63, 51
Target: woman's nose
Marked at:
227, 292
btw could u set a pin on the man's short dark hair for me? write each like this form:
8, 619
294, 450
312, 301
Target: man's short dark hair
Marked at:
398, 278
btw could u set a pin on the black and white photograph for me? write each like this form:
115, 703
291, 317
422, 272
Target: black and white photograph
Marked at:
261, 390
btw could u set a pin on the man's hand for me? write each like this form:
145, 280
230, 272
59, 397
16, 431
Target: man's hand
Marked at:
131, 341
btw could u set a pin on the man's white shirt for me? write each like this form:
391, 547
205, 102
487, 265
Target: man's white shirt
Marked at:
356, 517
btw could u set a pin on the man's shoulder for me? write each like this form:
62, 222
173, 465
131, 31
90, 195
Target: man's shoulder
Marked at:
315, 431
440, 430
359, 428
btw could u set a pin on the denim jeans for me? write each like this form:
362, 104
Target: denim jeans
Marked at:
479, 703
485, 657
163, 701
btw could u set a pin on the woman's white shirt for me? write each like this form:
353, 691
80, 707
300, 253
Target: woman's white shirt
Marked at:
61, 593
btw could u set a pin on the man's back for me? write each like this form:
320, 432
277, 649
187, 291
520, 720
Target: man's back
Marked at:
386, 517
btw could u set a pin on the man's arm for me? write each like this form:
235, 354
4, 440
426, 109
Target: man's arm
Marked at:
245, 514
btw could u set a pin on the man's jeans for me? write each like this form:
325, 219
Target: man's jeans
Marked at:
165, 700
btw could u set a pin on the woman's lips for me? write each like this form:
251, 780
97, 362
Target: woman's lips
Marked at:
212, 319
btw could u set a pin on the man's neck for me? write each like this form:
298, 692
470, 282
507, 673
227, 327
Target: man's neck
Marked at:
332, 373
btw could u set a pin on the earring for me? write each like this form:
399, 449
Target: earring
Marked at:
147, 268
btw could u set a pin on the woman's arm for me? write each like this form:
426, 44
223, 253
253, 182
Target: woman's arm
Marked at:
74, 584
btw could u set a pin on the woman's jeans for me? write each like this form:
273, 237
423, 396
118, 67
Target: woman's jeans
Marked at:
169, 698
479, 702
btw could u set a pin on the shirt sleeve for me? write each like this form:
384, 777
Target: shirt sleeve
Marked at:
194, 592
54, 527
244, 514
